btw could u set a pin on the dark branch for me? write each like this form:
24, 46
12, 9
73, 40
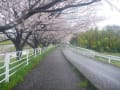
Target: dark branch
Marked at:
44, 9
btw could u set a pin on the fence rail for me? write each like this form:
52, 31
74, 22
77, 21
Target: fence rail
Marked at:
91, 53
10, 63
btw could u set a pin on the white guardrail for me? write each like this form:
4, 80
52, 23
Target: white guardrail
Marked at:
9, 64
91, 53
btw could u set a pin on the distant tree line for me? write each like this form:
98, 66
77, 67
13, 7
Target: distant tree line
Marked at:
99, 40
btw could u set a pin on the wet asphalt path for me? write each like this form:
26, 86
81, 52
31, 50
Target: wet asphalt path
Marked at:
104, 76
53, 73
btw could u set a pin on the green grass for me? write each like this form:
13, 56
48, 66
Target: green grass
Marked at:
83, 84
112, 53
5, 42
20, 75
1, 58
101, 59
113, 62
116, 63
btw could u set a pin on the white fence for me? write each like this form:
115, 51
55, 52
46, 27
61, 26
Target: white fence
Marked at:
91, 53
9, 64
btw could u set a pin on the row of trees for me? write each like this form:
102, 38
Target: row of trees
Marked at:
104, 40
37, 22
34, 21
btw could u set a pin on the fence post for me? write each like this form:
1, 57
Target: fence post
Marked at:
109, 60
35, 51
7, 61
27, 57
40, 51
93, 54
47, 48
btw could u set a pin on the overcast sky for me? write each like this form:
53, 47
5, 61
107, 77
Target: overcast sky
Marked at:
111, 14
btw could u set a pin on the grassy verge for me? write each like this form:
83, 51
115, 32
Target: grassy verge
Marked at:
113, 62
5, 42
112, 53
20, 75
116, 63
83, 84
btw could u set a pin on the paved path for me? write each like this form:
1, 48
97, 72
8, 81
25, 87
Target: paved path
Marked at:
104, 76
54, 73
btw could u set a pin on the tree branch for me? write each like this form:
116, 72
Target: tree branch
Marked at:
43, 9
